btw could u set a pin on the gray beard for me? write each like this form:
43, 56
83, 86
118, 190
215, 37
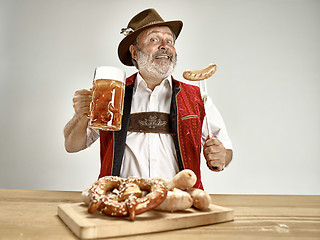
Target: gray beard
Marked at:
161, 71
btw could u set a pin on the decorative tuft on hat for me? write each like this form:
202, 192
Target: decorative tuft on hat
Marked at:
141, 21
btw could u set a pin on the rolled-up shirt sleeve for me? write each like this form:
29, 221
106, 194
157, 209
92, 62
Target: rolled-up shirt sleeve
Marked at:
92, 136
217, 125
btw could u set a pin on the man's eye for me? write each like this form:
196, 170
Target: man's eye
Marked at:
169, 42
153, 40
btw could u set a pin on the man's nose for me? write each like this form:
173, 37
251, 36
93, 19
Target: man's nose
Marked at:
163, 45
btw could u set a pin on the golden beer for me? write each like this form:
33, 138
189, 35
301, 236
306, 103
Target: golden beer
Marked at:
106, 107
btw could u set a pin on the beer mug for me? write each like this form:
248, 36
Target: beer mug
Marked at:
106, 107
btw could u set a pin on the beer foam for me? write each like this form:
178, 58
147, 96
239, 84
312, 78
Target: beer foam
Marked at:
108, 72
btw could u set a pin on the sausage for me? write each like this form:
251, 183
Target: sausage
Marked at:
176, 200
201, 199
167, 182
184, 179
197, 75
85, 196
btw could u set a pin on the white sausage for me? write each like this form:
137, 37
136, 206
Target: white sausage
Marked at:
85, 196
168, 182
176, 200
185, 179
201, 199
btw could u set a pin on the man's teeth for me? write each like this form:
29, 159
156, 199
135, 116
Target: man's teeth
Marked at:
162, 57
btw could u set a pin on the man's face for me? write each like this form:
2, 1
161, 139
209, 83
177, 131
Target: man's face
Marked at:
155, 52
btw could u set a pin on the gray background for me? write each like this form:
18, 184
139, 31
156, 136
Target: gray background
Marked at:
266, 86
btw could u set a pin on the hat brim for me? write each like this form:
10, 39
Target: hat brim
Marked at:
123, 49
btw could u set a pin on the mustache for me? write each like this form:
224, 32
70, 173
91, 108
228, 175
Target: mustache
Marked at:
160, 52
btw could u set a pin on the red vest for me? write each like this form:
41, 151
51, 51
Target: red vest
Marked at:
186, 115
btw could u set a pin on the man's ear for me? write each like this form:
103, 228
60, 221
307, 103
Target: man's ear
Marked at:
133, 50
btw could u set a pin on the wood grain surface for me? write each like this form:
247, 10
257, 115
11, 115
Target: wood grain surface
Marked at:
91, 226
31, 214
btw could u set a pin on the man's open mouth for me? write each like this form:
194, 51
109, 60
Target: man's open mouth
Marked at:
162, 57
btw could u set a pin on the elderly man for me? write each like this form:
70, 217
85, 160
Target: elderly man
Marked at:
153, 93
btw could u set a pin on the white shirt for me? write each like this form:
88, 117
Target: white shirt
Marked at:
151, 155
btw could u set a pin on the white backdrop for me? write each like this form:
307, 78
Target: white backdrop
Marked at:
266, 86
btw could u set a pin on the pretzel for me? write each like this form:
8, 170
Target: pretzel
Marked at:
197, 75
119, 197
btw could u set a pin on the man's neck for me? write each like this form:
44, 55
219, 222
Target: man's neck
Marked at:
151, 80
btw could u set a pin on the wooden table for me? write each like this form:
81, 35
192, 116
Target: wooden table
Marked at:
31, 214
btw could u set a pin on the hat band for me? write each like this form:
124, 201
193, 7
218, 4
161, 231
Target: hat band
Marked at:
152, 23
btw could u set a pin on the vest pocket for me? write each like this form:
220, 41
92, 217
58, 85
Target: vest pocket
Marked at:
189, 116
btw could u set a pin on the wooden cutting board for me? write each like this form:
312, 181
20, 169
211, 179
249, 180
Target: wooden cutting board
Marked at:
90, 226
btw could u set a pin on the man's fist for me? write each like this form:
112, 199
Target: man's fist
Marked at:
215, 154
81, 101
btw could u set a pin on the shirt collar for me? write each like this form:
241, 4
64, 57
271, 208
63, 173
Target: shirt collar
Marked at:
140, 82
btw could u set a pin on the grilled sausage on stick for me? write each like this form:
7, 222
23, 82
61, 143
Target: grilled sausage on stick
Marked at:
197, 75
